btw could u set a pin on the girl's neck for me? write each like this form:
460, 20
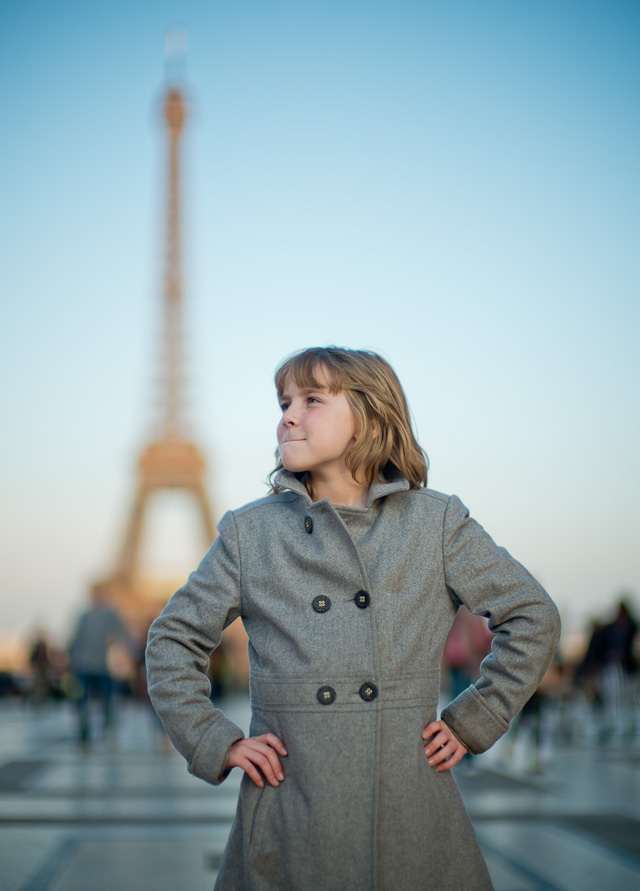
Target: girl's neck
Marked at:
342, 489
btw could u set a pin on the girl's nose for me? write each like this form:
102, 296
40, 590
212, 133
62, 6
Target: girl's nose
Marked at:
289, 418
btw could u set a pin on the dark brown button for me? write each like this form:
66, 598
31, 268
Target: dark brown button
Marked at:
362, 599
368, 692
326, 695
321, 604
308, 524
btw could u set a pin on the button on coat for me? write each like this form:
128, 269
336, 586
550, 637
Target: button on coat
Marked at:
368, 692
326, 695
321, 604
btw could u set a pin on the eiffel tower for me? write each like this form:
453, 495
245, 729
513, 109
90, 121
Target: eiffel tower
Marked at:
171, 461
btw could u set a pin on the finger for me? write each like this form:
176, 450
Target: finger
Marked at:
439, 740
238, 758
272, 740
250, 754
268, 762
432, 728
457, 756
252, 772
435, 727
441, 754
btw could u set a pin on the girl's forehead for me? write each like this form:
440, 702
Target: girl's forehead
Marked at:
307, 378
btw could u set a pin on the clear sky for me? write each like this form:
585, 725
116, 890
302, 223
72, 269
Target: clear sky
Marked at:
452, 184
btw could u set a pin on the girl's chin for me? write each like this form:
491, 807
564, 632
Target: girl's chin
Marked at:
293, 467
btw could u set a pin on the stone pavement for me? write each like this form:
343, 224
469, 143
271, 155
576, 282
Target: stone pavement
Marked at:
127, 815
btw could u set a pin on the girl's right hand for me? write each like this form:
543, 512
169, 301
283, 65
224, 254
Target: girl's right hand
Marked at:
259, 752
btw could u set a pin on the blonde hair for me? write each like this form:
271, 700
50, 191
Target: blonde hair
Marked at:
385, 437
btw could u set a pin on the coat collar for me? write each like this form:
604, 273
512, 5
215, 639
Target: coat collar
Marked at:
396, 482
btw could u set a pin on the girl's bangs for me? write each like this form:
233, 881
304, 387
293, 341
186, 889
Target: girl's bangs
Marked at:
306, 368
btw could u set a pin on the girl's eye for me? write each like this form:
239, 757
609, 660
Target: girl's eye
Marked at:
284, 406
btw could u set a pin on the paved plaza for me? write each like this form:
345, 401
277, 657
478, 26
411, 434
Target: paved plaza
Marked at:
127, 815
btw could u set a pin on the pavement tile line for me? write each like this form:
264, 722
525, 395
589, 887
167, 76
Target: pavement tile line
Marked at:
14, 775
619, 836
53, 866
117, 820
534, 880
491, 779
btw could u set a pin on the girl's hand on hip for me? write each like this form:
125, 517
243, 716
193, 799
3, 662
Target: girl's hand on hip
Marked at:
259, 752
444, 750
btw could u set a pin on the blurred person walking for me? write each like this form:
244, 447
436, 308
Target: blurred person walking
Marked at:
41, 687
467, 643
100, 630
618, 675
528, 727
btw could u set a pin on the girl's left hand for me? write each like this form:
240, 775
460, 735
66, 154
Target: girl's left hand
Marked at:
444, 750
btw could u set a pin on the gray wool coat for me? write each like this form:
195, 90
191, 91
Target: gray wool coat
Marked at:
347, 611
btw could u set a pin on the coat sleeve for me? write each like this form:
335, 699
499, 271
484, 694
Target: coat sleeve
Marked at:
180, 642
522, 616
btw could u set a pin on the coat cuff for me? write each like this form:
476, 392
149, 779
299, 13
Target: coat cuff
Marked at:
210, 757
473, 723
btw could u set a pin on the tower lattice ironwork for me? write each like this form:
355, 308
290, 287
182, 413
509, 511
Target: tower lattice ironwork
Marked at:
170, 461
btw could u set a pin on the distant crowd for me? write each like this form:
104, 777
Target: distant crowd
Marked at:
591, 698
102, 666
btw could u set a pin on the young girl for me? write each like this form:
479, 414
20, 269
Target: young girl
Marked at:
348, 577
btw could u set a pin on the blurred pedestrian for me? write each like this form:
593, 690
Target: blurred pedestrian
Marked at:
528, 724
468, 642
41, 670
618, 674
99, 630
588, 679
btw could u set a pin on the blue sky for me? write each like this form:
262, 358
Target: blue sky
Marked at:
455, 185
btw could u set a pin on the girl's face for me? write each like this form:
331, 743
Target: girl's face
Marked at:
316, 430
